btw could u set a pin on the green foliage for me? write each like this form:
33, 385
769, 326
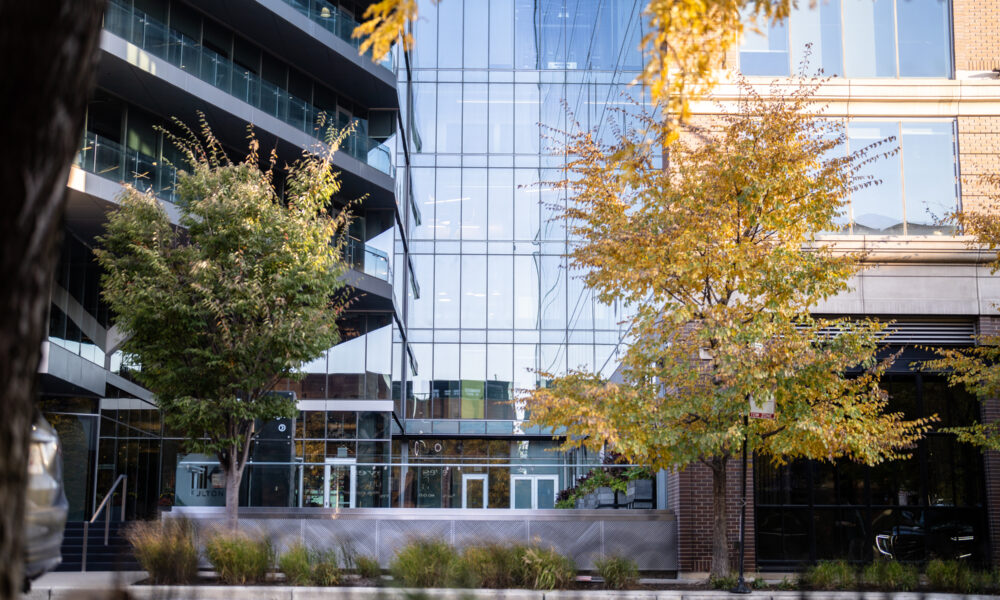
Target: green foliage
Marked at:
303, 566
325, 571
367, 566
216, 312
165, 549
723, 583
239, 559
831, 575
546, 569
787, 584
618, 572
952, 576
426, 563
615, 478
295, 565
758, 583
891, 576
495, 566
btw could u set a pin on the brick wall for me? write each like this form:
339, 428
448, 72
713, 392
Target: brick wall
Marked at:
979, 154
977, 37
689, 495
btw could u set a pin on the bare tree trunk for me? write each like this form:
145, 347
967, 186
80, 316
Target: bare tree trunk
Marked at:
720, 518
48, 55
234, 475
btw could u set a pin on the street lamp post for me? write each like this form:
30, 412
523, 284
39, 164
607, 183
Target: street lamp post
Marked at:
741, 584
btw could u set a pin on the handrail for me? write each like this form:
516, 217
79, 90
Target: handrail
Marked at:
122, 479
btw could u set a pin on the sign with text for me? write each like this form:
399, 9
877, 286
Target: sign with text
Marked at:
762, 409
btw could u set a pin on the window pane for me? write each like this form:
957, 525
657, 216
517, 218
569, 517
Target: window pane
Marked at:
448, 205
449, 116
522, 493
474, 291
553, 293
765, 52
869, 41
877, 209
423, 197
474, 104
501, 34
924, 40
501, 204
546, 493
446, 286
424, 99
422, 308
450, 40
473, 204
476, 32
526, 117
501, 128
928, 152
500, 292
819, 26
525, 29
425, 30
526, 292
526, 206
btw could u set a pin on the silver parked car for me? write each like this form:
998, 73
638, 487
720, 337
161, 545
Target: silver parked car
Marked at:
45, 513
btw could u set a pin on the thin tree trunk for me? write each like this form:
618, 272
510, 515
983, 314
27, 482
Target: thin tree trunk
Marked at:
720, 518
234, 475
48, 55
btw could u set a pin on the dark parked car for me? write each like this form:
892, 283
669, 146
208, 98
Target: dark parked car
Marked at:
45, 513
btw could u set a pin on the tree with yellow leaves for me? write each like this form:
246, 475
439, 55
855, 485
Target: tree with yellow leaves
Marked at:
686, 43
719, 257
977, 368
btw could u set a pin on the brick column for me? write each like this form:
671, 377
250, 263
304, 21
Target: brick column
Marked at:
990, 413
689, 495
979, 154
977, 37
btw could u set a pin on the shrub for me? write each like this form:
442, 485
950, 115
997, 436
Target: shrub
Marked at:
295, 565
367, 566
238, 559
546, 569
831, 575
758, 583
428, 563
787, 584
952, 576
495, 566
303, 566
723, 583
891, 576
618, 572
165, 549
325, 571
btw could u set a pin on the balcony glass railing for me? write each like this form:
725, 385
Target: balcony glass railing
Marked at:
368, 260
113, 161
211, 67
336, 21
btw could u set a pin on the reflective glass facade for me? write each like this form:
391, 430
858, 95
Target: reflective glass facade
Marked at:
497, 302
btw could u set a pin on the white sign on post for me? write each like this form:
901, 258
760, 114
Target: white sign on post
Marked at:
763, 410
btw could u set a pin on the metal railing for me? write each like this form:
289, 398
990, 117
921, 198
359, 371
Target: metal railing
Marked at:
122, 479
367, 259
187, 54
111, 160
336, 21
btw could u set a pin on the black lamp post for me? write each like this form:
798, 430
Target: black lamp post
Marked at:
741, 584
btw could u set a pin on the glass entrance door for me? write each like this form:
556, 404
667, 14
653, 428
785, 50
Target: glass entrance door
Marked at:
339, 476
475, 491
533, 491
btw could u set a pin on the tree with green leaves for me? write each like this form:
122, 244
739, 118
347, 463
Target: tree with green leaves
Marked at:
977, 368
220, 309
717, 253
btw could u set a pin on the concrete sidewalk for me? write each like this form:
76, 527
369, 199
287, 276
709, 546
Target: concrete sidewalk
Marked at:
108, 585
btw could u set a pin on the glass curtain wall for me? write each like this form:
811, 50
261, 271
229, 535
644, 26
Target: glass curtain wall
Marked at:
497, 303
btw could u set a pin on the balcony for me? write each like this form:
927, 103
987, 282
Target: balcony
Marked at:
367, 260
113, 161
220, 72
336, 21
